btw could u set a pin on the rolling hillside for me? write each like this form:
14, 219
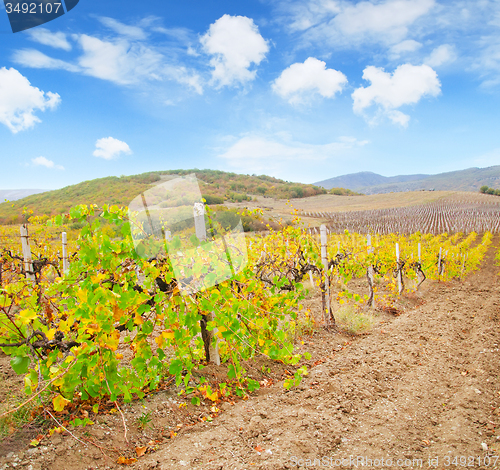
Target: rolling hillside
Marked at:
216, 186
463, 180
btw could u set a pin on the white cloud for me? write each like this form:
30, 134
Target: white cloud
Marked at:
131, 32
310, 13
48, 38
441, 55
19, 101
42, 161
110, 148
255, 153
236, 44
125, 59
120, 61
487, 62
349, 24
407, 85
38, 60
404, 47
392, 17
312, 76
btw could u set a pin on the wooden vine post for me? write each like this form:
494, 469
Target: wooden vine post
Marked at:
400, 279
439, 262
65, 252
370, 272
28, 263
211, 350
420, 275
326, 289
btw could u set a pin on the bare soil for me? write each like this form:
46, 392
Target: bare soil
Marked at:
422, 388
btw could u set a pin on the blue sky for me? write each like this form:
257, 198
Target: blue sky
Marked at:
301, 90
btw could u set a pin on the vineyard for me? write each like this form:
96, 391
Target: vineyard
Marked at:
96, 320
437, 217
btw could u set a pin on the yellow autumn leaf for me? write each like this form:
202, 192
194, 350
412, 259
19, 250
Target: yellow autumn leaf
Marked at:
50, 334
138, 319
213, 396
93, 328
98, 278
27, 315
5, 301
117, 313
64, 326
82, 296
126, 461
59, 403
111, 341
160, 341
169, 334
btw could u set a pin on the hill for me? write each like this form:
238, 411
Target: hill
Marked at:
216, 186
470, 179
364, 179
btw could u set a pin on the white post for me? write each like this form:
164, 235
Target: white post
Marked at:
28, 264
201, 233
370, 272
65, 252
324, 259
199, 221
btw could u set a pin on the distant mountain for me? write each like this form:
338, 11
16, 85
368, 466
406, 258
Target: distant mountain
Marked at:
463, 180
15, 194
364, 179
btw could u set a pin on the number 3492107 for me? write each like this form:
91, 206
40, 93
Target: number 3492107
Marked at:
33, 7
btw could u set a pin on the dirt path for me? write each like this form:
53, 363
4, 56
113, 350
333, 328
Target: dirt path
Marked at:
424, 386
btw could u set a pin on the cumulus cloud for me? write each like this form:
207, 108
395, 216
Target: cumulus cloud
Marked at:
42, 161
264, 153
235, 44
19, 101
404, 47
441, 55
48, 38
407, 85
110, 148
310, 77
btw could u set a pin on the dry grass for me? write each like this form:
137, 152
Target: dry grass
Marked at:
354, 321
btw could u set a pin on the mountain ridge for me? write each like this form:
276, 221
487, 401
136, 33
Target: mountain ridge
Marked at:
470, 179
